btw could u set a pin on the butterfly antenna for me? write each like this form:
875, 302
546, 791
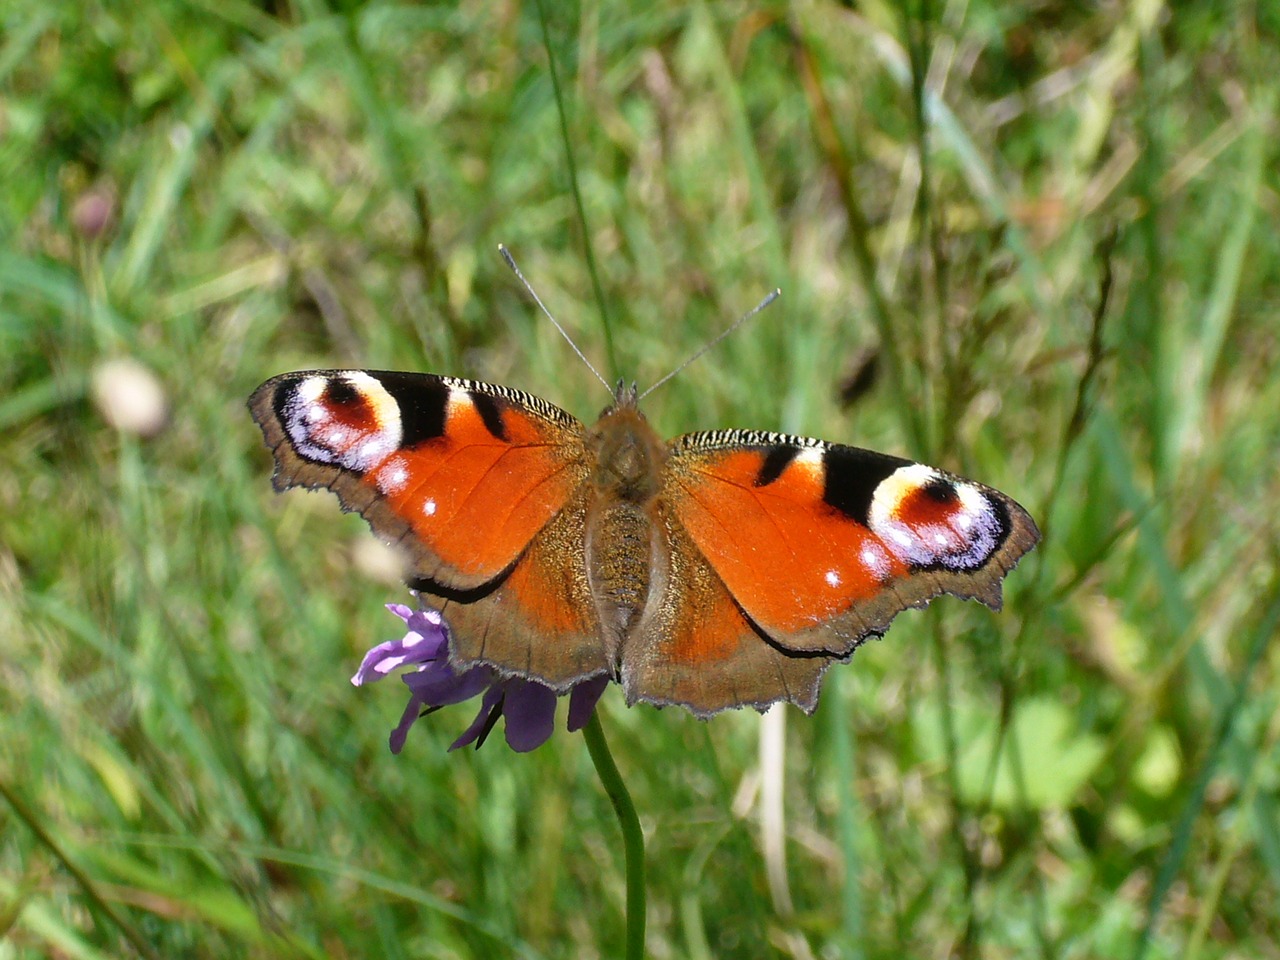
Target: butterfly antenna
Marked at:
511, 262
736, 324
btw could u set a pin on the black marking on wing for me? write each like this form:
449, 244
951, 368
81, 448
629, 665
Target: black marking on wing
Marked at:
940, 490
422, 402
1004, 522
775, 461
490, 413
339, 392
850, 478
281, 394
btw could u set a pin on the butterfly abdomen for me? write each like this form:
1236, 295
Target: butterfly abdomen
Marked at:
618, 550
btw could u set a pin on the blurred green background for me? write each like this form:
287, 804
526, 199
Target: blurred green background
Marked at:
1033, 243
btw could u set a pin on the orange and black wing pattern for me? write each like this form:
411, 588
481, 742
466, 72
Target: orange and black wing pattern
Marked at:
460, 473
479, 484
821, 545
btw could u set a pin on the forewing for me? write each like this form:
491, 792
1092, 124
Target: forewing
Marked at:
822, 545
461, 474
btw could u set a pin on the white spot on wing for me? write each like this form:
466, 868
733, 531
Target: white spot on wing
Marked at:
371, 451
832, 577
810, 458
429, 507
392, 477
311, 389
458, 401
875, 560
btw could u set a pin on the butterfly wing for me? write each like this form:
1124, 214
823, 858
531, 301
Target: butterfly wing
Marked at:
820, 545
696, 647
539, 620
473, 481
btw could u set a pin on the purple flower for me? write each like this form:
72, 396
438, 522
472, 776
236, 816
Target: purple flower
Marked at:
529, 706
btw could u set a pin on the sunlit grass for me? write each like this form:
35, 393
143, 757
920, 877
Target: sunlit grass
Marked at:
1090, 773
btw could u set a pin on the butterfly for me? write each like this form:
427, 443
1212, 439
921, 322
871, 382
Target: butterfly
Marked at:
720, 569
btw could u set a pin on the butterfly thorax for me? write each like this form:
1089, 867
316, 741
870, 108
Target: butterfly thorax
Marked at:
627, 459
626, 456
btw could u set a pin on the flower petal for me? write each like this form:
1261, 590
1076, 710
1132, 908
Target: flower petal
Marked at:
437, 685
490, 710
425, 642
428, 622
583, 699
407, 719
530, 710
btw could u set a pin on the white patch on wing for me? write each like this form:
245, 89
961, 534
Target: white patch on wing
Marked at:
371, 451
384, 439
429, 507
972, 500
311, 389
832, 577
895, 488
964, 540
336, 437
978, 525
392, 477
457, 402
318, 433
810, 459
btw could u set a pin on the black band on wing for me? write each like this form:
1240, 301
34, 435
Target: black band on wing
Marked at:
422, 402
775, 461
490, 414
850, 478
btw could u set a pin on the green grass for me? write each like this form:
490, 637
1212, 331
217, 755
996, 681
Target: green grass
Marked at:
1074, 297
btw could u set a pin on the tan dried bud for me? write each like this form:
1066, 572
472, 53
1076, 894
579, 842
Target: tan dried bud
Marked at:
130, 397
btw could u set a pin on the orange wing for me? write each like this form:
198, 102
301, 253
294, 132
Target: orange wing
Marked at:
695, 647
462, 474
822, 545
539, 620
482, 485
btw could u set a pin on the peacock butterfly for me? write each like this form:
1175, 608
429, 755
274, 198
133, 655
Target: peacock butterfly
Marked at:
721, 569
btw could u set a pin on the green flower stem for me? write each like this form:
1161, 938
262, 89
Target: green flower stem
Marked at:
632, 838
